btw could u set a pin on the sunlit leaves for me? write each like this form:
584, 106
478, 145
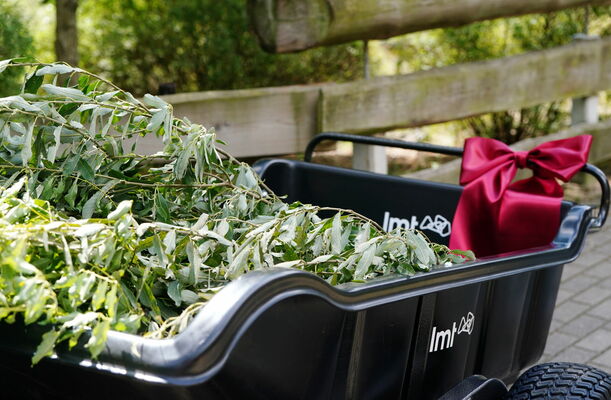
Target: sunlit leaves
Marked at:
96, 238
4, 64
54, 69
45, 348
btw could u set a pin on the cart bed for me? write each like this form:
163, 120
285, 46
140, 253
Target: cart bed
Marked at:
286, 334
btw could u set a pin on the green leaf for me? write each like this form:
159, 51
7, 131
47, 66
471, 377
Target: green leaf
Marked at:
85, 169
162, 208
52, 152
336, 234
158, 247
106, 96
69, 165
69, 93
123, 208
467, 254
362, 267
99, 295
110, 303
182, 162
83, 82
195, 263
33, 84
26, 152
321, 259
174, 292
154, 101
4, 64
89, 230
71, 195
45, 348
157, 120
239, 263
98, 338
55, 69
423, 251
91, 205
47, 188
189, 296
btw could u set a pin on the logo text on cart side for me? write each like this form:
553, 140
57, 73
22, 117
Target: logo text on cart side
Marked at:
438, 223
444, 339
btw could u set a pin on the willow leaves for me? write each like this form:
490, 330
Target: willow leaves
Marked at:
96, 238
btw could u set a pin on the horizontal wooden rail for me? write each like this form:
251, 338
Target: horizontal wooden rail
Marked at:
464, 90
292, 25
255, 122
600, 152
282, 120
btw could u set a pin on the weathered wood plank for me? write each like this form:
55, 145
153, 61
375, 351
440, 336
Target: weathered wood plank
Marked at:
255, 122
464, 90
292, 25
600, 152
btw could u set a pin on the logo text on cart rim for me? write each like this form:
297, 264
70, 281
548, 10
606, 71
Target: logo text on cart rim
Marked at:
438, 224
444, 339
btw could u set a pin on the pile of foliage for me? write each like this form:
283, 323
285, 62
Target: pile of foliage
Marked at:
94, 237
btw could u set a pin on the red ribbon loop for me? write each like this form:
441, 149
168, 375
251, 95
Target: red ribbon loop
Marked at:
494, 214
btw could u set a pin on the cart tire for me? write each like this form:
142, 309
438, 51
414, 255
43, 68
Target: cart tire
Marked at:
562, 380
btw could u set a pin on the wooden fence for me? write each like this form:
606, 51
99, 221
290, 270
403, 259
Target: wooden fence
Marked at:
255, 122
282, 120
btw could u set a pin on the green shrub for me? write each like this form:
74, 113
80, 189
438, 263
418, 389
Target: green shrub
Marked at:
15, 41
198, 45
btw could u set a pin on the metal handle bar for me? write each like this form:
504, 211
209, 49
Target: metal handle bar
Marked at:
307, 156
453, 151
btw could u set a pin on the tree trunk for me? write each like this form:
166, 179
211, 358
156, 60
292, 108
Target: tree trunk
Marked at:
293, 25
66, 35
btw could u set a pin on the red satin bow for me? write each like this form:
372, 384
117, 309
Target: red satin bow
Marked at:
495, 215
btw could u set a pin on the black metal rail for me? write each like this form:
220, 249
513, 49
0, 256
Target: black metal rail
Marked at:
600, 177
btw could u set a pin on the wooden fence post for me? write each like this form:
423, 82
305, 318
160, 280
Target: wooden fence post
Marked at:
367, 157
584, 110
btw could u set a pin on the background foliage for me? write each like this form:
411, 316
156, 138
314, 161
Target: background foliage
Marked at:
15, 41
198, 45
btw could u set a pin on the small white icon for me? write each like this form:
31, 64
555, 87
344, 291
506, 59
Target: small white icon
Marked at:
439, 225
466, 324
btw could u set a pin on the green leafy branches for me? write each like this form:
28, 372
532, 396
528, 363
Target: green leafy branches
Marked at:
95, 237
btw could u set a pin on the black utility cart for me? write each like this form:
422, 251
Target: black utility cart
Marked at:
453, 333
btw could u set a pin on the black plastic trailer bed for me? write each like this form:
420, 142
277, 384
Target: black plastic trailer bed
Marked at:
287, 334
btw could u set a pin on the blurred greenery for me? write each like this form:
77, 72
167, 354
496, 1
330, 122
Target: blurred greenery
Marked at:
197, 45
15, 41
500, 38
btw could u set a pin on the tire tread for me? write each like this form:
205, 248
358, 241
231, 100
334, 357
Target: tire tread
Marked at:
558, 380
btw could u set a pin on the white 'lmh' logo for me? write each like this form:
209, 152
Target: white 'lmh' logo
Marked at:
438, 224
441, 340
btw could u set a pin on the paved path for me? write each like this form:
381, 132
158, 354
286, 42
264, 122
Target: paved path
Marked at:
581, 326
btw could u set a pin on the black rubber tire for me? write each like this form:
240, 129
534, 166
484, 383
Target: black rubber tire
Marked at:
562, 381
